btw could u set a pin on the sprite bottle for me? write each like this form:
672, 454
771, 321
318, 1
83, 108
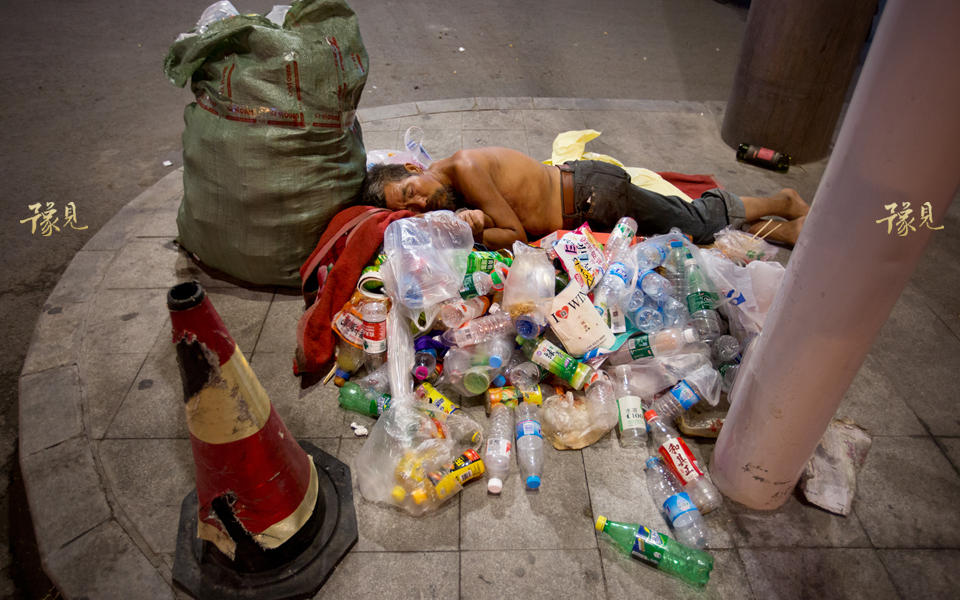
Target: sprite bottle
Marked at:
689, 564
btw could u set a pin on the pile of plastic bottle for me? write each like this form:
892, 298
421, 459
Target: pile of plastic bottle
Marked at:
559, 343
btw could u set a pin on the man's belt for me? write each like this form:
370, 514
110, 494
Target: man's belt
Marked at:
571, 219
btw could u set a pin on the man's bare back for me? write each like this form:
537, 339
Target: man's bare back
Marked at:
530, 189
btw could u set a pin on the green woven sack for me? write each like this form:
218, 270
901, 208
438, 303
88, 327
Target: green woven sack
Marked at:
271, 147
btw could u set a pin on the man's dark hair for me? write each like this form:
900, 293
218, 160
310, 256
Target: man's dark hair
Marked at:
378, 176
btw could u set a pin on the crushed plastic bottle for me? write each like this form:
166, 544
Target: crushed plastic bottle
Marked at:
654, 285
621, 237
669, 497
456, 312
665, 342
702, 383
425, 367
479, 330
377, 380
529, 444
647, 318
678, 457
349, 359
601, 403
364, 401
649, 255
726, 357
497, 454
612, 291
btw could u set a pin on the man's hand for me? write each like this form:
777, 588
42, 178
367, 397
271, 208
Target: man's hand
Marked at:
475, 219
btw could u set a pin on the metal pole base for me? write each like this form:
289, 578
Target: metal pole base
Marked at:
201, 570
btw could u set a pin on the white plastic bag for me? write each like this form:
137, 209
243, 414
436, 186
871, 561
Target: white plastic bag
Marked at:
746, 293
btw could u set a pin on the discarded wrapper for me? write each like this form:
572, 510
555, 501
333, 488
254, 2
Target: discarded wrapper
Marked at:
830, 477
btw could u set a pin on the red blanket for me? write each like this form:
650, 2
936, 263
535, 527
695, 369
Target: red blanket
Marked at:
315, 337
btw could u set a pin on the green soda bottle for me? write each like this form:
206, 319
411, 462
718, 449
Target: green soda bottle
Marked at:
355, 398
689, 564
555, 360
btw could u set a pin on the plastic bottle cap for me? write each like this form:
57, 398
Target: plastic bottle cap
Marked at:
527, 327
652, 461
494, 485
421, 372
533, 482
676, 244
398, 494
601, 522
650, 414
498, 381
495, 361
419, 495
341, 374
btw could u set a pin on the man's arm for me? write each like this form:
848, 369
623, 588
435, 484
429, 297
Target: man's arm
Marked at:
474, 181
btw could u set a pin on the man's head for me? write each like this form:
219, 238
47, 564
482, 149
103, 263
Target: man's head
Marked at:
407, 186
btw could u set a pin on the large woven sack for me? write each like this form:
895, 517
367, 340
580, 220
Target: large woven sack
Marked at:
271, 148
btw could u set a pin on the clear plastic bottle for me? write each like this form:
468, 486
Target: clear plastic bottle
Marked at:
673, 265
701, 383
497, 454
702, 302
498, 351
665, 342
366, 402
621, 237
480, 284
460, 427
523, 375
669, 497
631, 426
674, 312
479, 330
647, 318
456, 312
377, 380
529, 289
680, 460
609, 294
476, 380
374, 316
529, 444
649, 255
349, 359
425, 366
654, 285
601, 402
553, 359
656, 549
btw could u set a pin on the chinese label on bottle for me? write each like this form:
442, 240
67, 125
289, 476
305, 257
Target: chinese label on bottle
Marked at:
679, 458
649, 546
631, 412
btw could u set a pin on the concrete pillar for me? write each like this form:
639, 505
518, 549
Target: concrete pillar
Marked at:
796, 63
898, 143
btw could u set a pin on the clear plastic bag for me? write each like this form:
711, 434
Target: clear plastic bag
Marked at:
428, 258
413, 152
746, 293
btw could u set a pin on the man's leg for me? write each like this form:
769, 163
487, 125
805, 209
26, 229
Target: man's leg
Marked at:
786, 203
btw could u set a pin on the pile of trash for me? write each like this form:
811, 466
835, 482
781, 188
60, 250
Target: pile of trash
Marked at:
560, 341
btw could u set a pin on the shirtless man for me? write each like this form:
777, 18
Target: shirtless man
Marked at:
514, 197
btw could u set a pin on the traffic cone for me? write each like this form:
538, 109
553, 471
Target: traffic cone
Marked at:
261, 504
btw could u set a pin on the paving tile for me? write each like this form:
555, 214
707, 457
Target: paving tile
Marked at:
279, 333
243, 312
50, 409
552, 122
57, 337
394, 574
531, 574
387, 528
618, 489
153, 405
380, 113
923, 573
796, 524
493, 119
937, 275
441, 143
907, 493
817, 573
432, 120
105, 563
629, 578
452, 105
124, 321
556, 516
500, 103
150, 503
65, 493
82, 277
381, 140
310, 412
370, 125
873, 403
952, 446
148, 263
904, 347
509, 138
555, 103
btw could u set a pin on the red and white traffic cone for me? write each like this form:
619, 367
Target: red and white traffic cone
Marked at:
260, 500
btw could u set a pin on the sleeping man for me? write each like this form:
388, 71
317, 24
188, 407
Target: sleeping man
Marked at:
509, 196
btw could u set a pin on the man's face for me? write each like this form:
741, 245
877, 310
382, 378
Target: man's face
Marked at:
418, 193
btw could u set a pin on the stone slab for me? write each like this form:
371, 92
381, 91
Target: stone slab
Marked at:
873, 403
395, 575
124, 321
822, 573
530, 574
50, 408
923, 573
57, 337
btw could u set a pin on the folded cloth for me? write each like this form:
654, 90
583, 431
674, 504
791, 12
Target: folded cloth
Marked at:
691, 185
315, 337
